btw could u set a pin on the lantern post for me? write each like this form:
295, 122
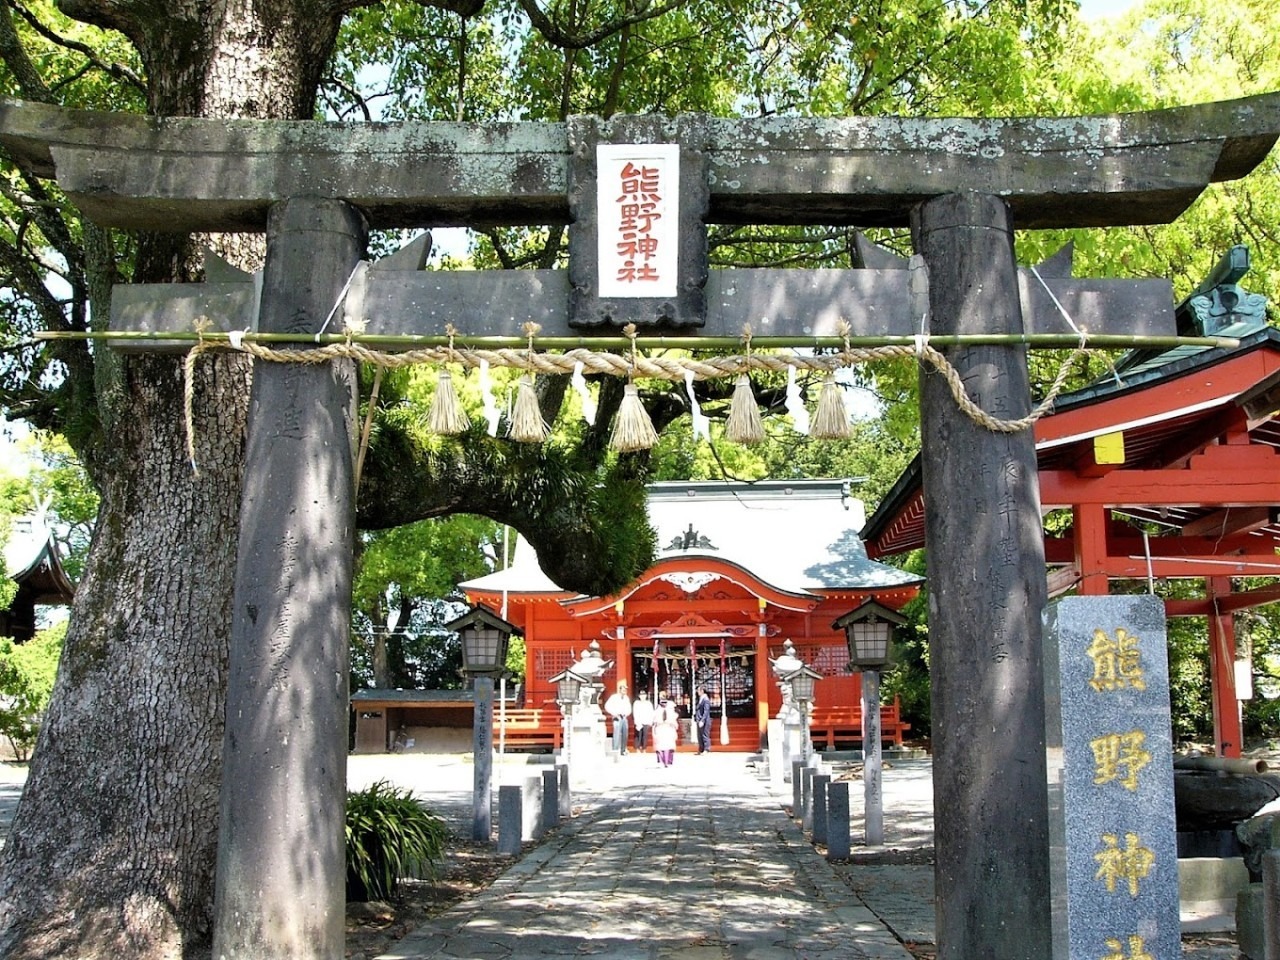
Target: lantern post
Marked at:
485, 636
869, 632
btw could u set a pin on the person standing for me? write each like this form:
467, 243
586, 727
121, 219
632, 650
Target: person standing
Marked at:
618, 706
642, 718
702, 720
665, 732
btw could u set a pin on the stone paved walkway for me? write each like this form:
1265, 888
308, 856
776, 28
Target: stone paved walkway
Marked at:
698, 863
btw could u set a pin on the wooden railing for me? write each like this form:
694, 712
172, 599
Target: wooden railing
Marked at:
832, 724
528, 728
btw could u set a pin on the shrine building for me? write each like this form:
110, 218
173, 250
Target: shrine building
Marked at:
740, 568
1167, 467
33, 561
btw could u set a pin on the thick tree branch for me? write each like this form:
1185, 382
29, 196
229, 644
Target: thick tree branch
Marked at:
117, 71
588, 526
571, 39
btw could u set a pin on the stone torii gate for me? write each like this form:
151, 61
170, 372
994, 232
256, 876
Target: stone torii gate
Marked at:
961, 185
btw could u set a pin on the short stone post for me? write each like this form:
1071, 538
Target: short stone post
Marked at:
839, 841
550, 798
563, 793
820, 783
806, 797
510, 818
797, 790
1271, 905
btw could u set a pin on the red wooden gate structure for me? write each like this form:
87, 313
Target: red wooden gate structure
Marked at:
1169, 468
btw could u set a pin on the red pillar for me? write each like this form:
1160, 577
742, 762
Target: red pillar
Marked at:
1090, 535
622, 658
1228, 736
763, 676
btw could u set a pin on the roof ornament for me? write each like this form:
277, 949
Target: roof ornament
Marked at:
690, 583
1219, 302
691, 540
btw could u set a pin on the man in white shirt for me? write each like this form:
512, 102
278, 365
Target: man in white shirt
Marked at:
642, 718
618, 706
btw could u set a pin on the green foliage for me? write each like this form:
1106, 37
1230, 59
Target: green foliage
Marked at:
515, 658
1258, 633
390, 836
1165, 53
27, 672
8, 588
908, 679
59, 479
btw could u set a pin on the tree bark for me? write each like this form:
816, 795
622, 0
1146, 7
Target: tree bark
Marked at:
113, 845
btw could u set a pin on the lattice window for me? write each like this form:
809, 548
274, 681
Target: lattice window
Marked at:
550, 663
829, 659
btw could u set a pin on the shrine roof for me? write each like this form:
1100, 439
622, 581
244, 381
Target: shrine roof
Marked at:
1156, 402
798, 536
31, 559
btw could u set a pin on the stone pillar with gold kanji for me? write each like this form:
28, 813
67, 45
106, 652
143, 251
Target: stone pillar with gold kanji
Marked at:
1110, 751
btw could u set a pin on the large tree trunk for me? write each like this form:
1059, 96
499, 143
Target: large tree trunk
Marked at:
113, 846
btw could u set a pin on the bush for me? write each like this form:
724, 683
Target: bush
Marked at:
27, 672
390, 835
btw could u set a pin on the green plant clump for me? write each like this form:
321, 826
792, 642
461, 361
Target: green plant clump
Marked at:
27, 672
390, 835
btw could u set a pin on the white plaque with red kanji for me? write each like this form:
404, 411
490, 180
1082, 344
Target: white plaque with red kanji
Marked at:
638, 198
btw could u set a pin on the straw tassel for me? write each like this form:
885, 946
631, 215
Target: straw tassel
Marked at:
831, 419
527, 425
633, 429
744, 424
446, 416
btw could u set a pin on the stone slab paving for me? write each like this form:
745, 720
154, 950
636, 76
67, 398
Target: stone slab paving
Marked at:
696, 863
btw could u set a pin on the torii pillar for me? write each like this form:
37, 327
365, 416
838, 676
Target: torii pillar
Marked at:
281, 852
986, 594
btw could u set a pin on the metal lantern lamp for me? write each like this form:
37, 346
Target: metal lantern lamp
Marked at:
802, 683
485, 636
869, 632
568, 695
568, 689
484, 655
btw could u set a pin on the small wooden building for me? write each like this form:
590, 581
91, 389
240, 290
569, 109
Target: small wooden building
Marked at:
741, 567
33, 561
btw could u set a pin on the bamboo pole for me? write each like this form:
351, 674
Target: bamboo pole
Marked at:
1043, 341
